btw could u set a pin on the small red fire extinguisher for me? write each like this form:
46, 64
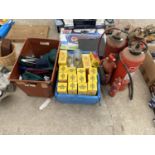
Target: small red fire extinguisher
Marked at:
108, 64
129, 61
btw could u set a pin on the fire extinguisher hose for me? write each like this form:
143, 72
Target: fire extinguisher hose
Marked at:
130, 85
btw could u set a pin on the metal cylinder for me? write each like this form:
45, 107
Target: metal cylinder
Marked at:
132, 58
115, 42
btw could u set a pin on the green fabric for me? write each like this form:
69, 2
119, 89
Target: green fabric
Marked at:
31, 76
50, 57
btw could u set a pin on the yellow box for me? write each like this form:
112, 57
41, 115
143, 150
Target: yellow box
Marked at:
92, 88
81, 71
82, 88
95, 61
62, 88
62, 57
62, 77
92, 78
72, 88
71, 70
81, 78
72, 77
63, 69
86, 61
93, 70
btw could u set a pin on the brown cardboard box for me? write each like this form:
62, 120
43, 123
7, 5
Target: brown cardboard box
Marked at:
37, 47
151, 47
148, 68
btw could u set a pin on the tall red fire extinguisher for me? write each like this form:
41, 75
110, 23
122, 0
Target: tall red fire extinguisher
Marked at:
115, 42
129, 61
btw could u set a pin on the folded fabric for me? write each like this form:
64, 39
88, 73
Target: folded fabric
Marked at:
52, 55
42, 63
36, 71
31, 76
34, 68
47, 60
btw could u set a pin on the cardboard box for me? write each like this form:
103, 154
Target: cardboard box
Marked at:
81, 71
72, 88
86, 61
37, 47
63, 69
62, 57
148, 69
62, 88
71, 70
95, 62
92, 88
92, 78
93, 70
82, 88
62, 77
72, 77
151, 47
81, 78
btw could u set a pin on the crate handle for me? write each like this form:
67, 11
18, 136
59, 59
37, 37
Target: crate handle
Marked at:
31, 84
45, 43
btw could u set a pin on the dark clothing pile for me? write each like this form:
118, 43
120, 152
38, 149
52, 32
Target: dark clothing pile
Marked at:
37, 68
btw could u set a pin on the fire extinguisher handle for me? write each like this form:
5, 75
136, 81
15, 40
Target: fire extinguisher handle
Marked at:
136, 44
146, 47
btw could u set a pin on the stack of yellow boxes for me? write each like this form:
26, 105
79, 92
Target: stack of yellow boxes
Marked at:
62, 75
82, 85
92, 81
62, 79
73, 80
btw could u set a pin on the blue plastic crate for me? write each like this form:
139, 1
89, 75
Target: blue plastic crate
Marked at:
79, 99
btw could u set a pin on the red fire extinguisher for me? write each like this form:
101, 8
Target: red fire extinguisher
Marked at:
115, 42
129, 61
115, 87
108, 64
